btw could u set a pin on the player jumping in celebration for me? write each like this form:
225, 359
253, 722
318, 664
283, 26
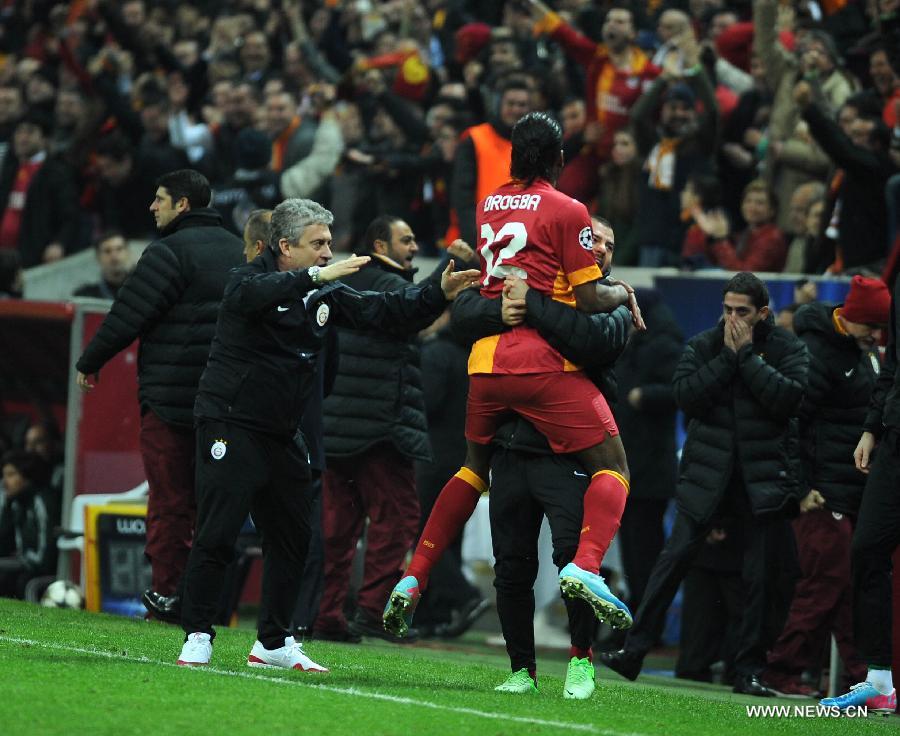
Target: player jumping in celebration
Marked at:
531, 231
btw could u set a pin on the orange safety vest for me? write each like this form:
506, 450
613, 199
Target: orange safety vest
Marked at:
493, 154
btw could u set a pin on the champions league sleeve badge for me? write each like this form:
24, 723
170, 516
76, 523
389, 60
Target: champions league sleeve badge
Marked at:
586, 238
218, 449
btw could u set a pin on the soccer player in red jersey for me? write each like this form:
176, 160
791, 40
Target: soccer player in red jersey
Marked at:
530, 231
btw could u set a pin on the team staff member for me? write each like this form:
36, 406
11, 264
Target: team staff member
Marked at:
877, 535
170, 302
531, 230
843, 367
257, 232
260, 376
529, 480
740, 385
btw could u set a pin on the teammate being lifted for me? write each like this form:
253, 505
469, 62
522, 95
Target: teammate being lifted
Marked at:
530, 231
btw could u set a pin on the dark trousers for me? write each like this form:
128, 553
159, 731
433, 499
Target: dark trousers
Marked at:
168, 455
710, 622
523, 489
312, 582
821, 604
766, 542
378, 484
641, 539
448, 588
269, 479
875, 538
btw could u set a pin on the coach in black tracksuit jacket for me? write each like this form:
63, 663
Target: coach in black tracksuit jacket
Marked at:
740, 456
528, 480
254, 390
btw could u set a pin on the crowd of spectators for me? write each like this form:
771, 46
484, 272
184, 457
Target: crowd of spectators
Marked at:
370, 107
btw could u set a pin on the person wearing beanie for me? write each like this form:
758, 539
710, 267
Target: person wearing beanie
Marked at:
876, 534
470, 40
843, 366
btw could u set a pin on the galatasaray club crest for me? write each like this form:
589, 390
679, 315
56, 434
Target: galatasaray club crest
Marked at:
218, 449
322, 314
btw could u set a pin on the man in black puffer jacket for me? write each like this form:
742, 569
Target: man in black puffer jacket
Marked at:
375, 428
843, 367
740, 385
170, 302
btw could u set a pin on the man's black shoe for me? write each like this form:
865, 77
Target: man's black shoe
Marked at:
628, 664
750, 685
340, 635
163, 607
463, 619
363, 626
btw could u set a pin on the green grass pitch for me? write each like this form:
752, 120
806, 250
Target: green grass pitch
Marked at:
69, 672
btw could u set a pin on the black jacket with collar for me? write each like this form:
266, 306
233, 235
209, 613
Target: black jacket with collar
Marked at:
841, 379
377, 395
264, 356
741, 410
171, 303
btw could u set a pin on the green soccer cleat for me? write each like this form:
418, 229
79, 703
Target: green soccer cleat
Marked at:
579, 679
518, 682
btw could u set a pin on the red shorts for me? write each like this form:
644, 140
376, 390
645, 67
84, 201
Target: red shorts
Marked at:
567, 408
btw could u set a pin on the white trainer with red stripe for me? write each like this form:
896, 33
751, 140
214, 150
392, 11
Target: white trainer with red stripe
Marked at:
196, 651
291, 657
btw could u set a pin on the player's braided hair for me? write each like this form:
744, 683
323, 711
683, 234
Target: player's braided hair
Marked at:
536, 143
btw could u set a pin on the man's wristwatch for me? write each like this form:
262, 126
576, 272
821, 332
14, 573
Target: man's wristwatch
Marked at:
315, 275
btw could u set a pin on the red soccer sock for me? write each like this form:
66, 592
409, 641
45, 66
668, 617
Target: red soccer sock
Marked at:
604, 503
454, 506
581, 653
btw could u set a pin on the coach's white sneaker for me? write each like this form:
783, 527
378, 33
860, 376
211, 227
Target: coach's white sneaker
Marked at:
196, 651
291, 657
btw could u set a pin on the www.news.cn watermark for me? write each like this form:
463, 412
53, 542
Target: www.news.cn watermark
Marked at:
806, 711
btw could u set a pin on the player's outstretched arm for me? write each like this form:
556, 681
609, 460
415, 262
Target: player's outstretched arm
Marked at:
596, 296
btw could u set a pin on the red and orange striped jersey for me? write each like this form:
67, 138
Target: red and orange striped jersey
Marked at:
543, 236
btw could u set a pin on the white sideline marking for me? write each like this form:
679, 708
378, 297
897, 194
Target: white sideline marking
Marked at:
327, 688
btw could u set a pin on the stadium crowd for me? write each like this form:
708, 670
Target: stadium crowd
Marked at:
749, 137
